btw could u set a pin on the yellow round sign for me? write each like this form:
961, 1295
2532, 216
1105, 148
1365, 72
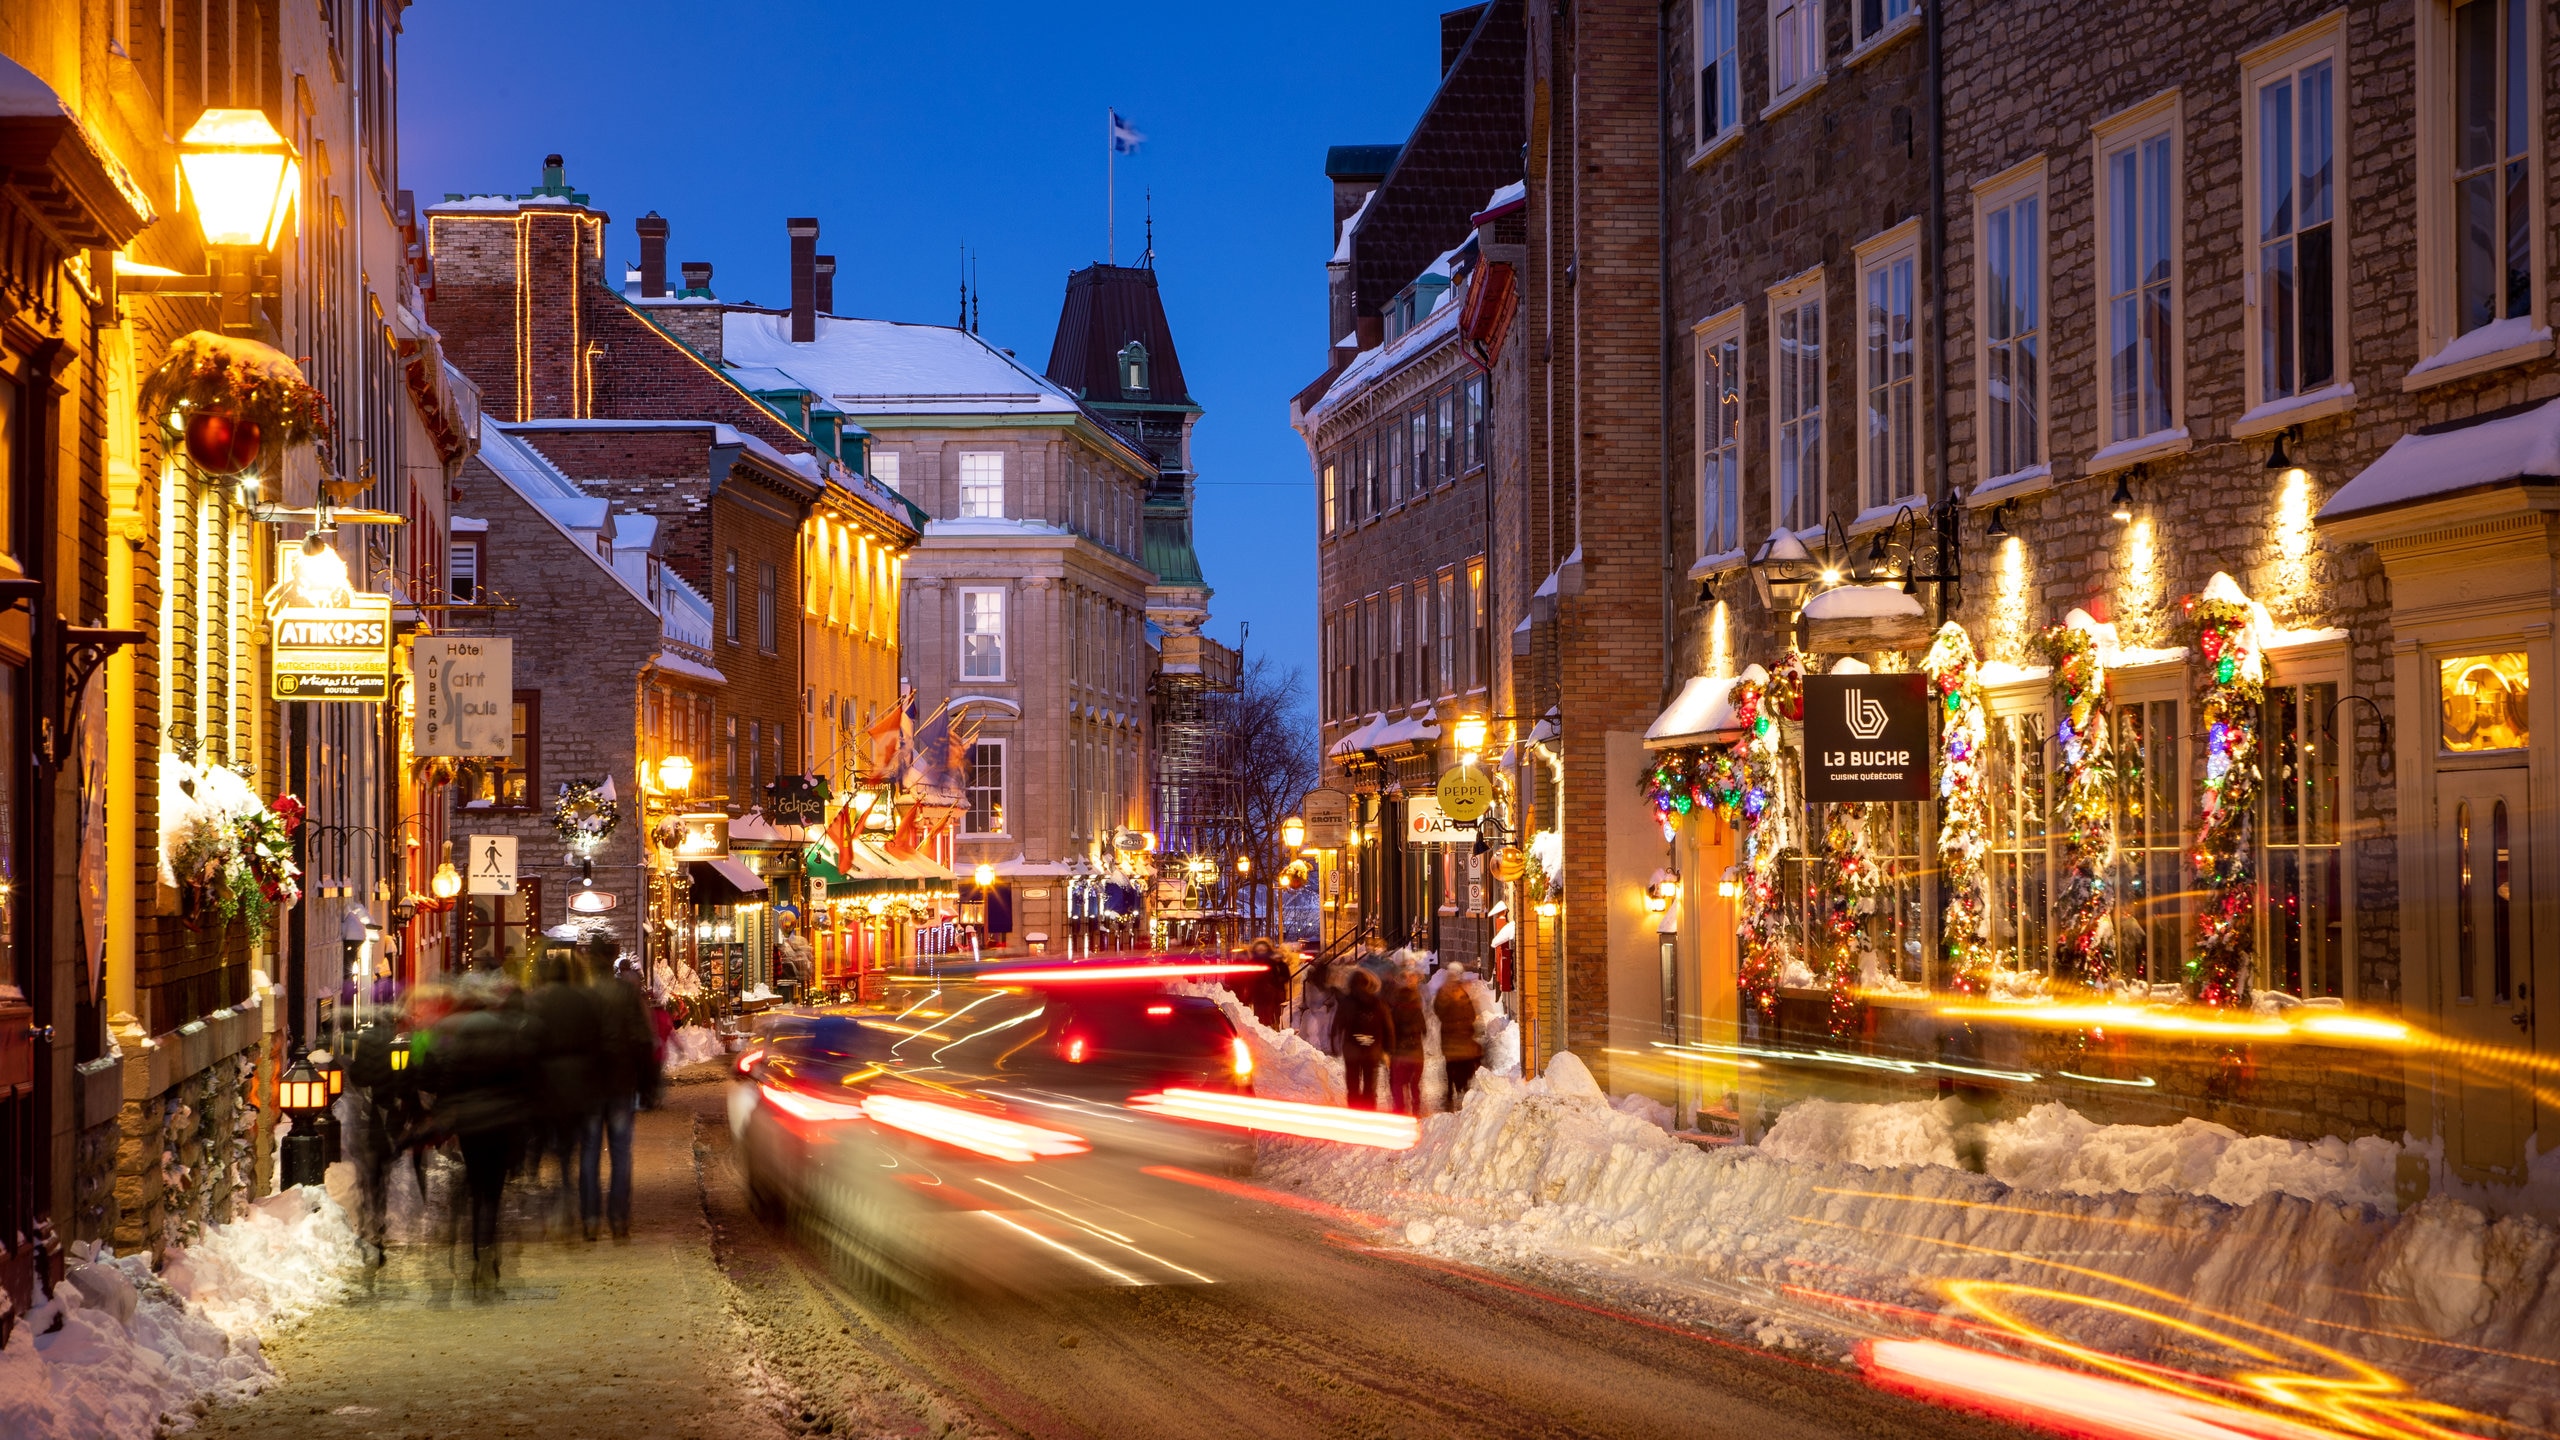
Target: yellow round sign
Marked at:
1465, 793
1509, 864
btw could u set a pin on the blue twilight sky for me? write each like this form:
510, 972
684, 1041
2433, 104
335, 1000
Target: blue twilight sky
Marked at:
912, 130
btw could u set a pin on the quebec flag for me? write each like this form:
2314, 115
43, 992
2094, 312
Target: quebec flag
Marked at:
1125, 138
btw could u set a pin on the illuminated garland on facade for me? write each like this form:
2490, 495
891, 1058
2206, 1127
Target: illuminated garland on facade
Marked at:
2229, 690
584, 818
2083, 795
1858, 874
1964, 808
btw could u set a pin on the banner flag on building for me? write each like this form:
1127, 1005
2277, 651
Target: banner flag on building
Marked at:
1125, 138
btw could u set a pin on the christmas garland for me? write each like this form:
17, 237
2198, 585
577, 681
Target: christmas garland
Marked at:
2083, 796
584, 816
242, 380
1964, 808
1858, 875
2229, 690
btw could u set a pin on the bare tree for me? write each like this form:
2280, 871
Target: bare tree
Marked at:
1271, 739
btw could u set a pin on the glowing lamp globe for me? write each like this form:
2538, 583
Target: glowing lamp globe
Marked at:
240, 178
302, 1091
675, 774
984, 875
1293, 832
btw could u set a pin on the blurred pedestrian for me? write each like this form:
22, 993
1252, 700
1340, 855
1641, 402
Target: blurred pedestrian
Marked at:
627, 1077
1317, 997
791, 956
378, 1099
570, 1030
1461, 1052
1409, 1033
1271, 990
479, 1065
1362, 1032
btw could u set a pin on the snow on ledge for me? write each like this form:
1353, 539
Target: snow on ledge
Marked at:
1845, 602
2513, 333
2420, 467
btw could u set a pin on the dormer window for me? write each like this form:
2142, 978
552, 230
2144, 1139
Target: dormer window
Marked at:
1133, 369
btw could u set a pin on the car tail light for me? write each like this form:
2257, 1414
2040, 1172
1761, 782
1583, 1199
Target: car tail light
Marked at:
1159, 1009
748, 1061
1075, 1051
1241, 1058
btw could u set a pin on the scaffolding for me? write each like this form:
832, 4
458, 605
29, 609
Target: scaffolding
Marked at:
1199, 800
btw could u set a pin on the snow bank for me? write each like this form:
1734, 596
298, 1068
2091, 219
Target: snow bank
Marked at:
120, 1353
692, 1045
1285, 1066
2054, 1148
1865, 1203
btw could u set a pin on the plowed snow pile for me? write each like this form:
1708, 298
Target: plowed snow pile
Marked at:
1866, 1203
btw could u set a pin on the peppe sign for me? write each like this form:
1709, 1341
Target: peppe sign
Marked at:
1866, 737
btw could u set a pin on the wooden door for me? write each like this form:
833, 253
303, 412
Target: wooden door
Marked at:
2484, 968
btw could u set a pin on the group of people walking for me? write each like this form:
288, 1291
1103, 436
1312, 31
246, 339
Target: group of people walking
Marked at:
511, 1077
1381, 1010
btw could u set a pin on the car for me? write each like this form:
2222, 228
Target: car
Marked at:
1123, 1040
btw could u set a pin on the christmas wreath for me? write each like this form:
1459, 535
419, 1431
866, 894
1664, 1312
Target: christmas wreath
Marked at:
585, 815
234, 402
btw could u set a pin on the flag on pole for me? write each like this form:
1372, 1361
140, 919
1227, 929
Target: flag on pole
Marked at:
1125, 138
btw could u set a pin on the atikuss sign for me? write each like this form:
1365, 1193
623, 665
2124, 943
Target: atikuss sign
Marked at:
1866, 737
333, 652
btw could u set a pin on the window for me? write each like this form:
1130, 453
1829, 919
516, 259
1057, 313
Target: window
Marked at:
1796, 319
1890, 934
1877, 16
1133, 368
1379, 697
1419, 424
1451, 461
982, 634
2294, 283
729, 598
985, 789
982, 486
1720, 436
1892, 433
2137, 229
2020, 868
1369, 447
1795, 46
2302, 906
1719, 72
462, 572
1397, 462
755, 757
2011, 290
730, 742
1332, 485
1448, 646
884, 467
511, 782
2493, 210
2150, 854
1475, 422
765, 634
1399, 684
1476, 657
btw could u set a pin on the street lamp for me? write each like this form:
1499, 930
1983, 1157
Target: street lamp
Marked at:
241, 176
675, 774
1293, 833
985, 875
1244, 864
304, 1095
448, 881
1782, 571
1470, 734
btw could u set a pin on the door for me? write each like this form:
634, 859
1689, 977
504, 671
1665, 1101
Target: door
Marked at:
2484, 969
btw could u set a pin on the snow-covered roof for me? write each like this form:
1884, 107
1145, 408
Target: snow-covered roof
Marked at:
578, 516
1378, 733
1385, 360
1554, 581
889, 367
496, 204
982, 527
22, 95
2421, 467
1358, 739
1861, 601
1342, 246
1701, 712
1511, 194
671, 663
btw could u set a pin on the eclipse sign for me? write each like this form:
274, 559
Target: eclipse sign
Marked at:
1866, 737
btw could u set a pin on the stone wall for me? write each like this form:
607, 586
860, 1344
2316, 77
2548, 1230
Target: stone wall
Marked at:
170, 1134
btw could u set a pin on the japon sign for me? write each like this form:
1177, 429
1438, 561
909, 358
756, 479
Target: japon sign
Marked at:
1866, 737
1426, 824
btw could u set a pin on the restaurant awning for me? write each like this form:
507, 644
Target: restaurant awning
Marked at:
722, 881
870, 870
1702, 713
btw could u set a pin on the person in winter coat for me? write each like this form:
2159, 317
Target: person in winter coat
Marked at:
1362, 1033
480, 1068
627, 1076
1411, 1031
569, 1028
1460, 1050
1316, 999
1271, 987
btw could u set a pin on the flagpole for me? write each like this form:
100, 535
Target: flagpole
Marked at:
1110, 188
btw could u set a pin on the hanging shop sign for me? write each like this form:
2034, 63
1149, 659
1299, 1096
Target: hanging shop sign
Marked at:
1465, 792
797, 800
493, 865
1328, 817
466, 696
702, 837
1866, 737
1510, 863
333, 652
1425, 823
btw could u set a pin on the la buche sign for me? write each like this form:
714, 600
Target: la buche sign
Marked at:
1866, 737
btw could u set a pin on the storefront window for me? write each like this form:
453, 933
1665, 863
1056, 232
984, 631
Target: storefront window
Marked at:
2483, 701
501, 928
1893, 932
13, 690
2021, 869
2304, 910
2149, 847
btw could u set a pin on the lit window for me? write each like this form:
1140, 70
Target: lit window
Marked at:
2011, 291
1720, 438
982, 634
2150, 845
2302, 908
1891, 437
1797, 321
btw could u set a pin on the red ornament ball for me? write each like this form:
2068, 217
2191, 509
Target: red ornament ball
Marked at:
222, 444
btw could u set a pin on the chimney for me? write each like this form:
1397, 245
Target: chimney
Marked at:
826, 282
697, 277
555, 175
653, 256
804, 278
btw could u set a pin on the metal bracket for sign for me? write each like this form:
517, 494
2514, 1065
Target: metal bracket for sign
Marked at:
84, 649
323, 517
